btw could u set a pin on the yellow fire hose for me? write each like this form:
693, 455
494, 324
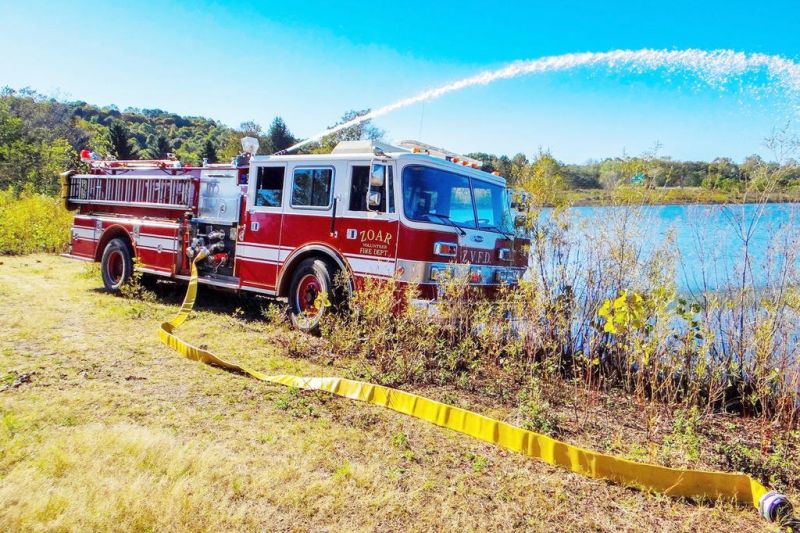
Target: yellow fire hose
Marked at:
695, 484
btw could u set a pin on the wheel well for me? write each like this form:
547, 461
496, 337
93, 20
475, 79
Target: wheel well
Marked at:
114, 232
285, 278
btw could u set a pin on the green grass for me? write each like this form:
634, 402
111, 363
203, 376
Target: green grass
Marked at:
113, 431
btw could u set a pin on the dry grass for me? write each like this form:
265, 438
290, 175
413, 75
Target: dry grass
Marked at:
104, 428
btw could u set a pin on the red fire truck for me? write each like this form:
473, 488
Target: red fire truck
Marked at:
285, 225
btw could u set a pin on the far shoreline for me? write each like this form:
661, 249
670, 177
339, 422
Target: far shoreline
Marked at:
666, 196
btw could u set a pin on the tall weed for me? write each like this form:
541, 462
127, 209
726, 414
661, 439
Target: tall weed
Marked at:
597, 311
31, 223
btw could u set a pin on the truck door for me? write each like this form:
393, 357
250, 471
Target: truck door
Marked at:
258, 248
368, 230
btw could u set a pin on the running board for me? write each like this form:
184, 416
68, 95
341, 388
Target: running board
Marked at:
223, 282
77, 257
226, 283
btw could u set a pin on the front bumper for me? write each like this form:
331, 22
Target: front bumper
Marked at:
433, 273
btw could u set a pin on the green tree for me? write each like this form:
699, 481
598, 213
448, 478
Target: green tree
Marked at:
251, 129
278, 136
158, 147
518, 164
27, 160
489, 161
504, 166
725, 168
543, 179
122, 145
209, 151
361, 131
97, 136
229, 146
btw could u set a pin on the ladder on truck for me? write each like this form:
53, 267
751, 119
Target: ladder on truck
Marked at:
139, 190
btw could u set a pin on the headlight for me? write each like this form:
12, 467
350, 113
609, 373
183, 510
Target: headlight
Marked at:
475, 275
446, 249
507, 276
438, 272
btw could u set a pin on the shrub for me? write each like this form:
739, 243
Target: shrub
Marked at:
32, 223
535, 411
390, 340
612, 320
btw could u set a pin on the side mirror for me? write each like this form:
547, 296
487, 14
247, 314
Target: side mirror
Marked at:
377, 183
374, 200
378, 175
519, 200
521, 220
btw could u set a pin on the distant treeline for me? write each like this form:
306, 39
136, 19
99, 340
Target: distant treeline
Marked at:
42, 136
647, 170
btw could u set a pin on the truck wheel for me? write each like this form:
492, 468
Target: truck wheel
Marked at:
311, 294
116, 265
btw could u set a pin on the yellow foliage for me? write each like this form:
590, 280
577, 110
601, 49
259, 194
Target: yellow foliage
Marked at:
624, 313
32, 223
542, 179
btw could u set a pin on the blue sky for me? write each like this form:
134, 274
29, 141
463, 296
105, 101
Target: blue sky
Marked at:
311, 61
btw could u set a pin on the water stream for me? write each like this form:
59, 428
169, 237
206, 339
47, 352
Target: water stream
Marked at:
714, 67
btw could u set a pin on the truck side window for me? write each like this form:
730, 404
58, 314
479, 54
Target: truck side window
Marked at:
312, 187
359, 183
269, 186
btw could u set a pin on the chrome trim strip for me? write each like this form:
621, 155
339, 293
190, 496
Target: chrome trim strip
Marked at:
223, 284
122, 219
131, 204
77, 258
162, 273
253, 260
268, 292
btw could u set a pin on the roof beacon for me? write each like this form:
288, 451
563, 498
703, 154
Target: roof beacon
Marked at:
418, 147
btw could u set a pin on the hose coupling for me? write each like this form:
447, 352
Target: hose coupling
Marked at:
774, 506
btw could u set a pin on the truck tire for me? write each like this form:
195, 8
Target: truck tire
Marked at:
116, 265
312, 277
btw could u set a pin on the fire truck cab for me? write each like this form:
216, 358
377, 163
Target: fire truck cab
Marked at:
286, 225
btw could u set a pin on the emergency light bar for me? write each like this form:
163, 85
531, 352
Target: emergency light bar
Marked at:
417, 147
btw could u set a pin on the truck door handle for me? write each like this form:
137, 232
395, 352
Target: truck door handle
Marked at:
333, 217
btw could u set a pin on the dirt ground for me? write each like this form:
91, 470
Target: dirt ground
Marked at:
103, 428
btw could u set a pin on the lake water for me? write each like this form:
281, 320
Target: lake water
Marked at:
708, 238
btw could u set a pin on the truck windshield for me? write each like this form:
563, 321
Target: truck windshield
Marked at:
430, 194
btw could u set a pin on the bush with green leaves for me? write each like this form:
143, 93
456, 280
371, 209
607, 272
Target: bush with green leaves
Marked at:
32, 223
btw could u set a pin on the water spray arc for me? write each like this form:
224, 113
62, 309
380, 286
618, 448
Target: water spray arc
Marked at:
712, 66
